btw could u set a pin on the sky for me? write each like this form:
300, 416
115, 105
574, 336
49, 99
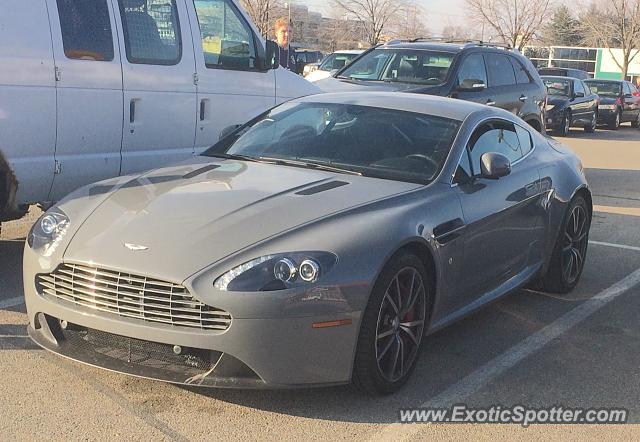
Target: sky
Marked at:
439, 13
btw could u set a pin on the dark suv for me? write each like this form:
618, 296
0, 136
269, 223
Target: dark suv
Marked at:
469, 71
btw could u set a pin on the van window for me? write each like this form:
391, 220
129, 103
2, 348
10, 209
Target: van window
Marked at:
227, 40
151, 31
86, 29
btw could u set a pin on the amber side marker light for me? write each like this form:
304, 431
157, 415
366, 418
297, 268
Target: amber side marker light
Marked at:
337, 323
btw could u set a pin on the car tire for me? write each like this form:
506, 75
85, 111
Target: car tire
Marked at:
636, 122
563, 129
570, 251
392, 327
614, 124
591, 127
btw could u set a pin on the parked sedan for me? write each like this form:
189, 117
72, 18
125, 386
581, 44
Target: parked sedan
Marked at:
331, 64
570, 103
619, 102
316, 245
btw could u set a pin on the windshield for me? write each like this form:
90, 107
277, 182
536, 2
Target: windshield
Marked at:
604, 88
558, 86
370, 141
336, 61
402, 65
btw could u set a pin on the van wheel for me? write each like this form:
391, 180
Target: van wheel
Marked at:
392, 327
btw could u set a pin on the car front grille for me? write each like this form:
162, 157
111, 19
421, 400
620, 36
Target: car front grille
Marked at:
130, 296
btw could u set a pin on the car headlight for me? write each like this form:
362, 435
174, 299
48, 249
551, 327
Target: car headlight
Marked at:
277, 272
550, 107
48, 231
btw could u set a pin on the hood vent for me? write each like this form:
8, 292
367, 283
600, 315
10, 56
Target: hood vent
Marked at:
200, 171
322, 188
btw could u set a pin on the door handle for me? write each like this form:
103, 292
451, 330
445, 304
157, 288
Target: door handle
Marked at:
132, 111
523, 98
202, 109
490, 103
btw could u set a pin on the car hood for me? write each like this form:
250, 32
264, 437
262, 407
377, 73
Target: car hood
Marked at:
187, 217
333, 84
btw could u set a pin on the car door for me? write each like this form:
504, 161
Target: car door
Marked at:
27, 98
232, 89
501, 216
159, 83
88, 93
527, 89
591, 102
630, 103
503, 89
579, 103
472, 67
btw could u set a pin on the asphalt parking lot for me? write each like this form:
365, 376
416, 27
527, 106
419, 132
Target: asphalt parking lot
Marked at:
533, 349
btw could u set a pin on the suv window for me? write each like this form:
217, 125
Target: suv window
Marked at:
500, 70
496, 136
86, 29
227, 40
522, 77
473, 69
151, 31
587, 89
626, 88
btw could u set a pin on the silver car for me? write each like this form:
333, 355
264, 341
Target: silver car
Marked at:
318, 244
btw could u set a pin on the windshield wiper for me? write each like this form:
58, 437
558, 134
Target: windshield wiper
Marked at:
310, 165
229, 156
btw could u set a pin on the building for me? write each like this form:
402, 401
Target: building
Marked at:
598, 62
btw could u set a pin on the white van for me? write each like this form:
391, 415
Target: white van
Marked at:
96, 89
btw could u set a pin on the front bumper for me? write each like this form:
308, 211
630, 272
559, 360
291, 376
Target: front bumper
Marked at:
285, 352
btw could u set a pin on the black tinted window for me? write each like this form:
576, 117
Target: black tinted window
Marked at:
521, 73
86, 29
626, 88
151, 31
500, 70
498, 136
473, 69
577, 87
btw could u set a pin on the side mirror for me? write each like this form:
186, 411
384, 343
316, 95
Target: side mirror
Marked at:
494, 165
578, 94
471, 85
272, 55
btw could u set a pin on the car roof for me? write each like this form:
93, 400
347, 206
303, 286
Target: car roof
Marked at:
350, 51
403, 101
557, 77
433, 46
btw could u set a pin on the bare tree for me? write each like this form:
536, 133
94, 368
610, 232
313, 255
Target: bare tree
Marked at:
514, 21
376, 16
411, 22
263, 13
614, 24
453, 33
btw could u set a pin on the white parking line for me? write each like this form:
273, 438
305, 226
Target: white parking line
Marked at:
618, 246
12, 302
500, 364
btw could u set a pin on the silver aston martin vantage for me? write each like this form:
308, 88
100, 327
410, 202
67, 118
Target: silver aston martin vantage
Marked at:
318, 244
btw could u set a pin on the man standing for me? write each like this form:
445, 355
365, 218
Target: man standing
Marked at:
283, 37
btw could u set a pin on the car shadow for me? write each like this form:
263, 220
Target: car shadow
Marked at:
624, 133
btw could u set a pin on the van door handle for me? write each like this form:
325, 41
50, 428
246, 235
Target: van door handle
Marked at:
202, 109
132, 111
524, 98
490, 102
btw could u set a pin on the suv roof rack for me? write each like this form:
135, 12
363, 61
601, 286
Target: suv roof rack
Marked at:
475, 42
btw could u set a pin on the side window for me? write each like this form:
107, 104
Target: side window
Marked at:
463, 172
227, 40
151, 31
524, 136
497, 136
587, 90
577, 87
521, 73
626, 89
472, 69
500, 70
86, 29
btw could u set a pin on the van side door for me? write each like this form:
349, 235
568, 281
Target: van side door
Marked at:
232, 87
88, 93
159, 83
27, 99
